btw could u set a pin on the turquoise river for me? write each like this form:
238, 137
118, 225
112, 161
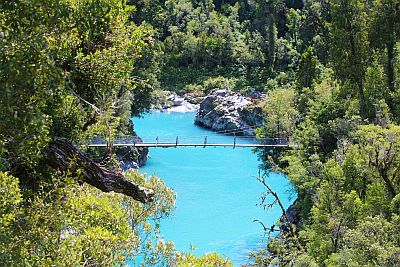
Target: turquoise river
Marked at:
217, 190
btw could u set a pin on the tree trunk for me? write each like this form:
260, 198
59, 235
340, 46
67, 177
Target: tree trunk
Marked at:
390, 65
363, 107
390, 72
286, 222
63, 155
389, 184
358, 75
271, 40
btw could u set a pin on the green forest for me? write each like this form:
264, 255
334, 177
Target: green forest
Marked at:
71, 70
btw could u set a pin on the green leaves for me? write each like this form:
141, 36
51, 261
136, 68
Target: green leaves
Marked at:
71, 225
210, 259
382, 148
280, 113
10, 199
67, 71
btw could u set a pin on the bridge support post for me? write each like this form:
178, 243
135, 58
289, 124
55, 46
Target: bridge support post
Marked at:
234, 141
205, 142
176, 143
157, 141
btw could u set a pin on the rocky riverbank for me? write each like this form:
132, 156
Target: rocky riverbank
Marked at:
230, 112
172, 102
131, 157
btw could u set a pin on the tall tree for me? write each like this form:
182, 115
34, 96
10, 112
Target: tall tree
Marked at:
271, 32
349, 45
71, 87
382, 148
384, 32
306, 75
281, 113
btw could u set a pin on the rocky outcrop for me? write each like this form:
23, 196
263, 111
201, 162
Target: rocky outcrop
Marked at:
293, 213
252, 115
131, 157
225, 111
194, 98
293, 216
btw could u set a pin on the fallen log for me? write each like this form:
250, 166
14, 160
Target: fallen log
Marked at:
65, 156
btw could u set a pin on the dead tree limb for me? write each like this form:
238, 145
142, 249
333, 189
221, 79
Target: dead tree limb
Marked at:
65, 156
286, 221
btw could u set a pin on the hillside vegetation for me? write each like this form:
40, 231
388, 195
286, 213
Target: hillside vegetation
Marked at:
330, 69
71, 70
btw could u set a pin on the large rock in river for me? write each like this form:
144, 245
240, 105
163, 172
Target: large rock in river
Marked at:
225, 111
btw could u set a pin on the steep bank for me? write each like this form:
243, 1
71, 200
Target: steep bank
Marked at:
131, 157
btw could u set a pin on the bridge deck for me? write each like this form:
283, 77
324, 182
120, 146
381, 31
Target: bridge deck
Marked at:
166, 145
191, 141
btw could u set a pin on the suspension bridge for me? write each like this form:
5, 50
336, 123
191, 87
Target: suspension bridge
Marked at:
192, 141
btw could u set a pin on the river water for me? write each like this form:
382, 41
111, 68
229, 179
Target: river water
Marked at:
217, 190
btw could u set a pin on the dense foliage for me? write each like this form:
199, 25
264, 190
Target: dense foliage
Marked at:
205, 44
76, 69
67, 72
330, 71
345, 169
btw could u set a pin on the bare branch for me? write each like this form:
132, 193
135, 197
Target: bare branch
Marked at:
96, 109
292, 232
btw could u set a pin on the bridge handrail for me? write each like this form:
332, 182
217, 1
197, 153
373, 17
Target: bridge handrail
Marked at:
206, 140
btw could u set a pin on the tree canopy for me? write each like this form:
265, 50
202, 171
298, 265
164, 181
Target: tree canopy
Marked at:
73, 70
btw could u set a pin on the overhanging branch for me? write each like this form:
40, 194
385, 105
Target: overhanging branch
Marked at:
65, 156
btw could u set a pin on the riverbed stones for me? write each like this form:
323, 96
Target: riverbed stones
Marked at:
229, 112
172, 102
